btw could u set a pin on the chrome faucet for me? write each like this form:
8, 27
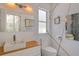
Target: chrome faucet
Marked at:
14, 38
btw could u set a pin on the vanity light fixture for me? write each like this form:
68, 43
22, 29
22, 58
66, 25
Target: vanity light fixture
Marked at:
11, 5
20, 6
26, 8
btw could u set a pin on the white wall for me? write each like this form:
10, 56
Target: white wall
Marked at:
59, 29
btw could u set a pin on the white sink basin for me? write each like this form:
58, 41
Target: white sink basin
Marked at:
14, 46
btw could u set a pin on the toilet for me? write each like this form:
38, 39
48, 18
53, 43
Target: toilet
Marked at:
49, 51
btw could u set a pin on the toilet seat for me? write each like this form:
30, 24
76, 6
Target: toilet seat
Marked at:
50, 49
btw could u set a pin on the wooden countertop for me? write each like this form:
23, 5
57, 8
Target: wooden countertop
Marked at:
29, 44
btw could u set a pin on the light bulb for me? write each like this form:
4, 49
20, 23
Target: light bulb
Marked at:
28, 9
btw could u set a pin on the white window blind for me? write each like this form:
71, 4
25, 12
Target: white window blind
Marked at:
42, 21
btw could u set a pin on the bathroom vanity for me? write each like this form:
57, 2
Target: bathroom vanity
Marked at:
30, 48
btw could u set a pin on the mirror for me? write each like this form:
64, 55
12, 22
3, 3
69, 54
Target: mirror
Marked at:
72, 26
13, 22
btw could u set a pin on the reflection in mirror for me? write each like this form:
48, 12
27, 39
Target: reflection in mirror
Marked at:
28, 23
12, 23
72, 26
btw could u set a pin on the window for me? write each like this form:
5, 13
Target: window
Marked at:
12, 23
42, 21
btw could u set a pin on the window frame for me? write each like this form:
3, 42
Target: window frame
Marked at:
43, 21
